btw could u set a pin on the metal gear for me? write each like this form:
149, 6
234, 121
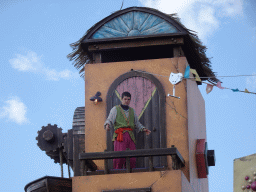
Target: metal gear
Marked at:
50, 138
56, 157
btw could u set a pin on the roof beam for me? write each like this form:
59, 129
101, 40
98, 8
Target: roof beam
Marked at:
135, 43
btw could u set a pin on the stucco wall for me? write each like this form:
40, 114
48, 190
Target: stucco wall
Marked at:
196, 130
185, 122
164, 181
99, 77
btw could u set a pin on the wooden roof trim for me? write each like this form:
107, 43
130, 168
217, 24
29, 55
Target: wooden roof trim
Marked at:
90, 41
101, 46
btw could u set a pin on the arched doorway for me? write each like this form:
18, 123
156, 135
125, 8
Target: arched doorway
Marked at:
148, 101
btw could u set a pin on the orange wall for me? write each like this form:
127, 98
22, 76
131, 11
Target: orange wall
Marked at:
164, 181
99, 77
185, 119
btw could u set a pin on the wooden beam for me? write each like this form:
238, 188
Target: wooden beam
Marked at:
178, 52
97, 57
118, 171
134, 153
137, 43
78, 148
148, 189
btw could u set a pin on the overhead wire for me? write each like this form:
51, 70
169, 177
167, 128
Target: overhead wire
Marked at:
207, 77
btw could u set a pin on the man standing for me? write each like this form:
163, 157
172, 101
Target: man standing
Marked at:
123, 119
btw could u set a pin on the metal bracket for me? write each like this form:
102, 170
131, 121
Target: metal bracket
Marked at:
173, 93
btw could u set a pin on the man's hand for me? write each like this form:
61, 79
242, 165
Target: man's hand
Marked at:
147, 131
107, 127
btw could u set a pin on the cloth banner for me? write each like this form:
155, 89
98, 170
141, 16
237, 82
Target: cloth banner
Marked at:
219, 85
193, 71
186, 74
209, 88
235, 90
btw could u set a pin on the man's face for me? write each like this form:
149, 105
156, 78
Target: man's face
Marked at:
126, 100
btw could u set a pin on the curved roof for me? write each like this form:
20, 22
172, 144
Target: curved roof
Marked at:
143, 22
134, 21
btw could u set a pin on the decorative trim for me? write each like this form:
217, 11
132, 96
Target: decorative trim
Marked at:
134, 23
140, 9
144, 108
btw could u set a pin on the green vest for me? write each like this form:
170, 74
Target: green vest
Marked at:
121, 122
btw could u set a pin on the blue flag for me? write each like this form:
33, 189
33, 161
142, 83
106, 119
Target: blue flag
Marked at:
186, 74
235, 90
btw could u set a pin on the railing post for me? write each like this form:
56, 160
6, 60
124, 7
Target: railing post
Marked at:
85, 170
151, 168
82, 168
106, 171
128, 165
175, 162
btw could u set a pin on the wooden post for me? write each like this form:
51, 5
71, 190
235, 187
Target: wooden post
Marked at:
68, 169
178, 52
128, 165
85, 169
151, 168
78, 147
106, 171
82, 168
97, 57
176, 163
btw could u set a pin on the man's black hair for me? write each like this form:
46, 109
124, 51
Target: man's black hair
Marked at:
127, 94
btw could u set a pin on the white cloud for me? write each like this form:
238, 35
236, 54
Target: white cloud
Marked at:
251, 82
229, 8
52, 74
14, 110
32, 63
29, 62
202, 16
253, 34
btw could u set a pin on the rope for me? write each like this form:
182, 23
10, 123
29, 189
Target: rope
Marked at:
200, 77
207, 77
61, 162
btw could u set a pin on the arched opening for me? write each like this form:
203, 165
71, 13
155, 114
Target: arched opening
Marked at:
148, 101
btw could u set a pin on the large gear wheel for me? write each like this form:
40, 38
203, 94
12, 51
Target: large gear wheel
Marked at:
56, 156
50, 138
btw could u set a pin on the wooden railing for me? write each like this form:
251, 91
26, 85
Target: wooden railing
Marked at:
86, 158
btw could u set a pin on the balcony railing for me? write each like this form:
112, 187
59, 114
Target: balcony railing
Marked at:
87, 158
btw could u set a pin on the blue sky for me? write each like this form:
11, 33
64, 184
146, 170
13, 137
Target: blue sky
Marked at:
39, 85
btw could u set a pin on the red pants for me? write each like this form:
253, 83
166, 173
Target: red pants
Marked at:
121, 146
